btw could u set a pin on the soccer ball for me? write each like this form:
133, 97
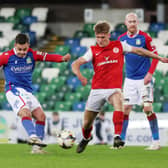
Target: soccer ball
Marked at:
66, 139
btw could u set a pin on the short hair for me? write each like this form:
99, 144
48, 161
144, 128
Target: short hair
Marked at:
21, 39
102, 27
129, 14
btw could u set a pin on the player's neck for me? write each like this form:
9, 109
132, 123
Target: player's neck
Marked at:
132, 34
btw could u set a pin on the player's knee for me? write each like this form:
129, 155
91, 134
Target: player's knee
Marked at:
24, 113
127, 109
41, 117
147, 108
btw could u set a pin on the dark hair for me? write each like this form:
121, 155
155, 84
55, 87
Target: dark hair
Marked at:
21, 39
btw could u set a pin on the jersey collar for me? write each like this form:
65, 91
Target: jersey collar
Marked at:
132, 36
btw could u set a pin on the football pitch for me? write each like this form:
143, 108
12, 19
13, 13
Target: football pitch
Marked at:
96, 156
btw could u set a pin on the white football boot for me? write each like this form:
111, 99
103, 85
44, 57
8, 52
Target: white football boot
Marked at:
34, 140
37, 150
154, 146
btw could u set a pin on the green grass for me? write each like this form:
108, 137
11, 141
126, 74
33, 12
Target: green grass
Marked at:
18, 156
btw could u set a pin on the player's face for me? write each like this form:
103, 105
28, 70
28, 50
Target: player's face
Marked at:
131, 22
21, 49
102, 39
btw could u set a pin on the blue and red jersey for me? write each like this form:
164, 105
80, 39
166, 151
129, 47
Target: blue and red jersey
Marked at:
137, 66
18, 71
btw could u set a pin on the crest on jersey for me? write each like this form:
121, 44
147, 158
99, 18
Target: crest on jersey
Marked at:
106, 58
138, 41
115, 50
28, 60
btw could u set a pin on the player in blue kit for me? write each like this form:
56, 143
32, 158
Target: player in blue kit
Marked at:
138, 85
18, 65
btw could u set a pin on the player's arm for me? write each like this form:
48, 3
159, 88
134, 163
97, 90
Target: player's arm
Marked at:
147, 53
142, 52
76, 69
80, 61
4, 58
43, 56
151, 47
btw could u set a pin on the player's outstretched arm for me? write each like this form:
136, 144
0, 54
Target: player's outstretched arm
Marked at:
76, 70
43, 56
147, 53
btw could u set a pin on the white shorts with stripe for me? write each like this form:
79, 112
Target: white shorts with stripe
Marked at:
22, 99
135, 92
98, 97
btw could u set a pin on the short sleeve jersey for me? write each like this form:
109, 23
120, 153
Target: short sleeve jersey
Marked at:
108, 64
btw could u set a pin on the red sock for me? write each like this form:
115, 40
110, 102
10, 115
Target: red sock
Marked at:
87, 132
118, 117
152, 117
126, 117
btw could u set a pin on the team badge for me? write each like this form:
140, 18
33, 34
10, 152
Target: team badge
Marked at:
28, 60
115, 50
138, 41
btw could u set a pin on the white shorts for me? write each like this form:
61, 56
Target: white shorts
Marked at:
22, 99
135, 92
98, 97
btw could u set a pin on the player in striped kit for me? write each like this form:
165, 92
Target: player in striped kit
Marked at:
18, 65
107, 59
138, 85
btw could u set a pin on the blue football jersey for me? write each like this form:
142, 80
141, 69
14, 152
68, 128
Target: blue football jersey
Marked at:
137, 66
18, 71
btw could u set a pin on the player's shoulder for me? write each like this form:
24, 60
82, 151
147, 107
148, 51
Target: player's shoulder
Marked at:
31, 50
8, 53
145, 34
122, 35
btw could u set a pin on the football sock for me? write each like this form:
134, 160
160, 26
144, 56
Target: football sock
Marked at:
154, 126
40, 125
28, 125
87, 132
118, 117
125, 126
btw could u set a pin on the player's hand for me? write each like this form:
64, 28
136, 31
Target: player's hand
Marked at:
83, 80
164, 60
66, 57
147, 78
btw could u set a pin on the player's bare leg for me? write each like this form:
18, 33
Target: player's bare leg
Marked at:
89, 117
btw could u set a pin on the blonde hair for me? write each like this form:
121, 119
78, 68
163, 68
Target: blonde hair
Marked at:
102, 27
129, 14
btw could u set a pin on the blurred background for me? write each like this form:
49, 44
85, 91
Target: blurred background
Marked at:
63, 26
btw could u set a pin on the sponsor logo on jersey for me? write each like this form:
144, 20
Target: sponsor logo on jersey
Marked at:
116, 50
107, 62
138, 41
28, 60
41, 53
22, 69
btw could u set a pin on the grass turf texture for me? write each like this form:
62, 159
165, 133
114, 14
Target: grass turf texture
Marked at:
18, 156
